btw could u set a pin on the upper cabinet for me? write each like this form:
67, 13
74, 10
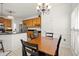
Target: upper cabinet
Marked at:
28, 22
6, 22
37, 22
33, 22
1, 19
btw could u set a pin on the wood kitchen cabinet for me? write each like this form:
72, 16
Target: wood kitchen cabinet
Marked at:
37, 22
1, 19
28, 23
33, 22
7, 23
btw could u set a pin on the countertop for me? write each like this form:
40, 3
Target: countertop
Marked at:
30, 29
10, 33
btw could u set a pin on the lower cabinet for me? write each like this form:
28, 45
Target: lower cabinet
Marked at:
12, 42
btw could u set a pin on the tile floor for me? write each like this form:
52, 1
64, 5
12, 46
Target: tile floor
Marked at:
5, 53
63, 52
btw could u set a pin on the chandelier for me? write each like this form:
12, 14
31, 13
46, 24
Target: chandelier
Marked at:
2, 14
10, 15
43, 8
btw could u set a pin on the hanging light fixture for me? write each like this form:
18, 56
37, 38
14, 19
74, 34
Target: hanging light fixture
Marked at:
10, 15
43, 8
2, 14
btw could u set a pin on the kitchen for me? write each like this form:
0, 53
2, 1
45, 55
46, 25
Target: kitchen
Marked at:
14, 29
11, 38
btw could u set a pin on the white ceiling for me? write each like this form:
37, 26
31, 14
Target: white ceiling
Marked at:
20, 10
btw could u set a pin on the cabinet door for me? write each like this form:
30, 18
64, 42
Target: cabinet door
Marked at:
25, 22
34, 22
38, 22
1, 20
7, 23
30, 23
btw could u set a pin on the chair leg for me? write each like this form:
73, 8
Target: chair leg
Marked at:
24, 52
2, 46
41, 54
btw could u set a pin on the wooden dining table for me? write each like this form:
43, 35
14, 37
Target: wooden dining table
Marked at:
46, 44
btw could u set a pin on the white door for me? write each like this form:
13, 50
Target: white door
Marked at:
74, 31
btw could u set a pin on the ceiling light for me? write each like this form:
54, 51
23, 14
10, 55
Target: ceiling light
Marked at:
43, 8
10, 15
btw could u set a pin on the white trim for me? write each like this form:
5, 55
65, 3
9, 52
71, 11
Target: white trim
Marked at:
30, 17
73, 52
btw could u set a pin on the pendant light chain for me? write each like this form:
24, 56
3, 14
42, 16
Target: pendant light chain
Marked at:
1, 9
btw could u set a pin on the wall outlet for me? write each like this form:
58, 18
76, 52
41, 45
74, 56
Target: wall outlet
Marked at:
64, 39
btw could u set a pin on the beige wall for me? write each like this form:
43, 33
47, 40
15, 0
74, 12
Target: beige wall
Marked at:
58, 21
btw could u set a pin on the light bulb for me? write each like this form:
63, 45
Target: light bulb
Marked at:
10, 17
49, 7
39, 4
37, 7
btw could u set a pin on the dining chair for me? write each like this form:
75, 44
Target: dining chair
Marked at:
29, 48
35, 33
58, 44
48, 34
2, 45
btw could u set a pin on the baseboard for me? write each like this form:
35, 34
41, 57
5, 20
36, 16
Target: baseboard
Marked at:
74, 54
